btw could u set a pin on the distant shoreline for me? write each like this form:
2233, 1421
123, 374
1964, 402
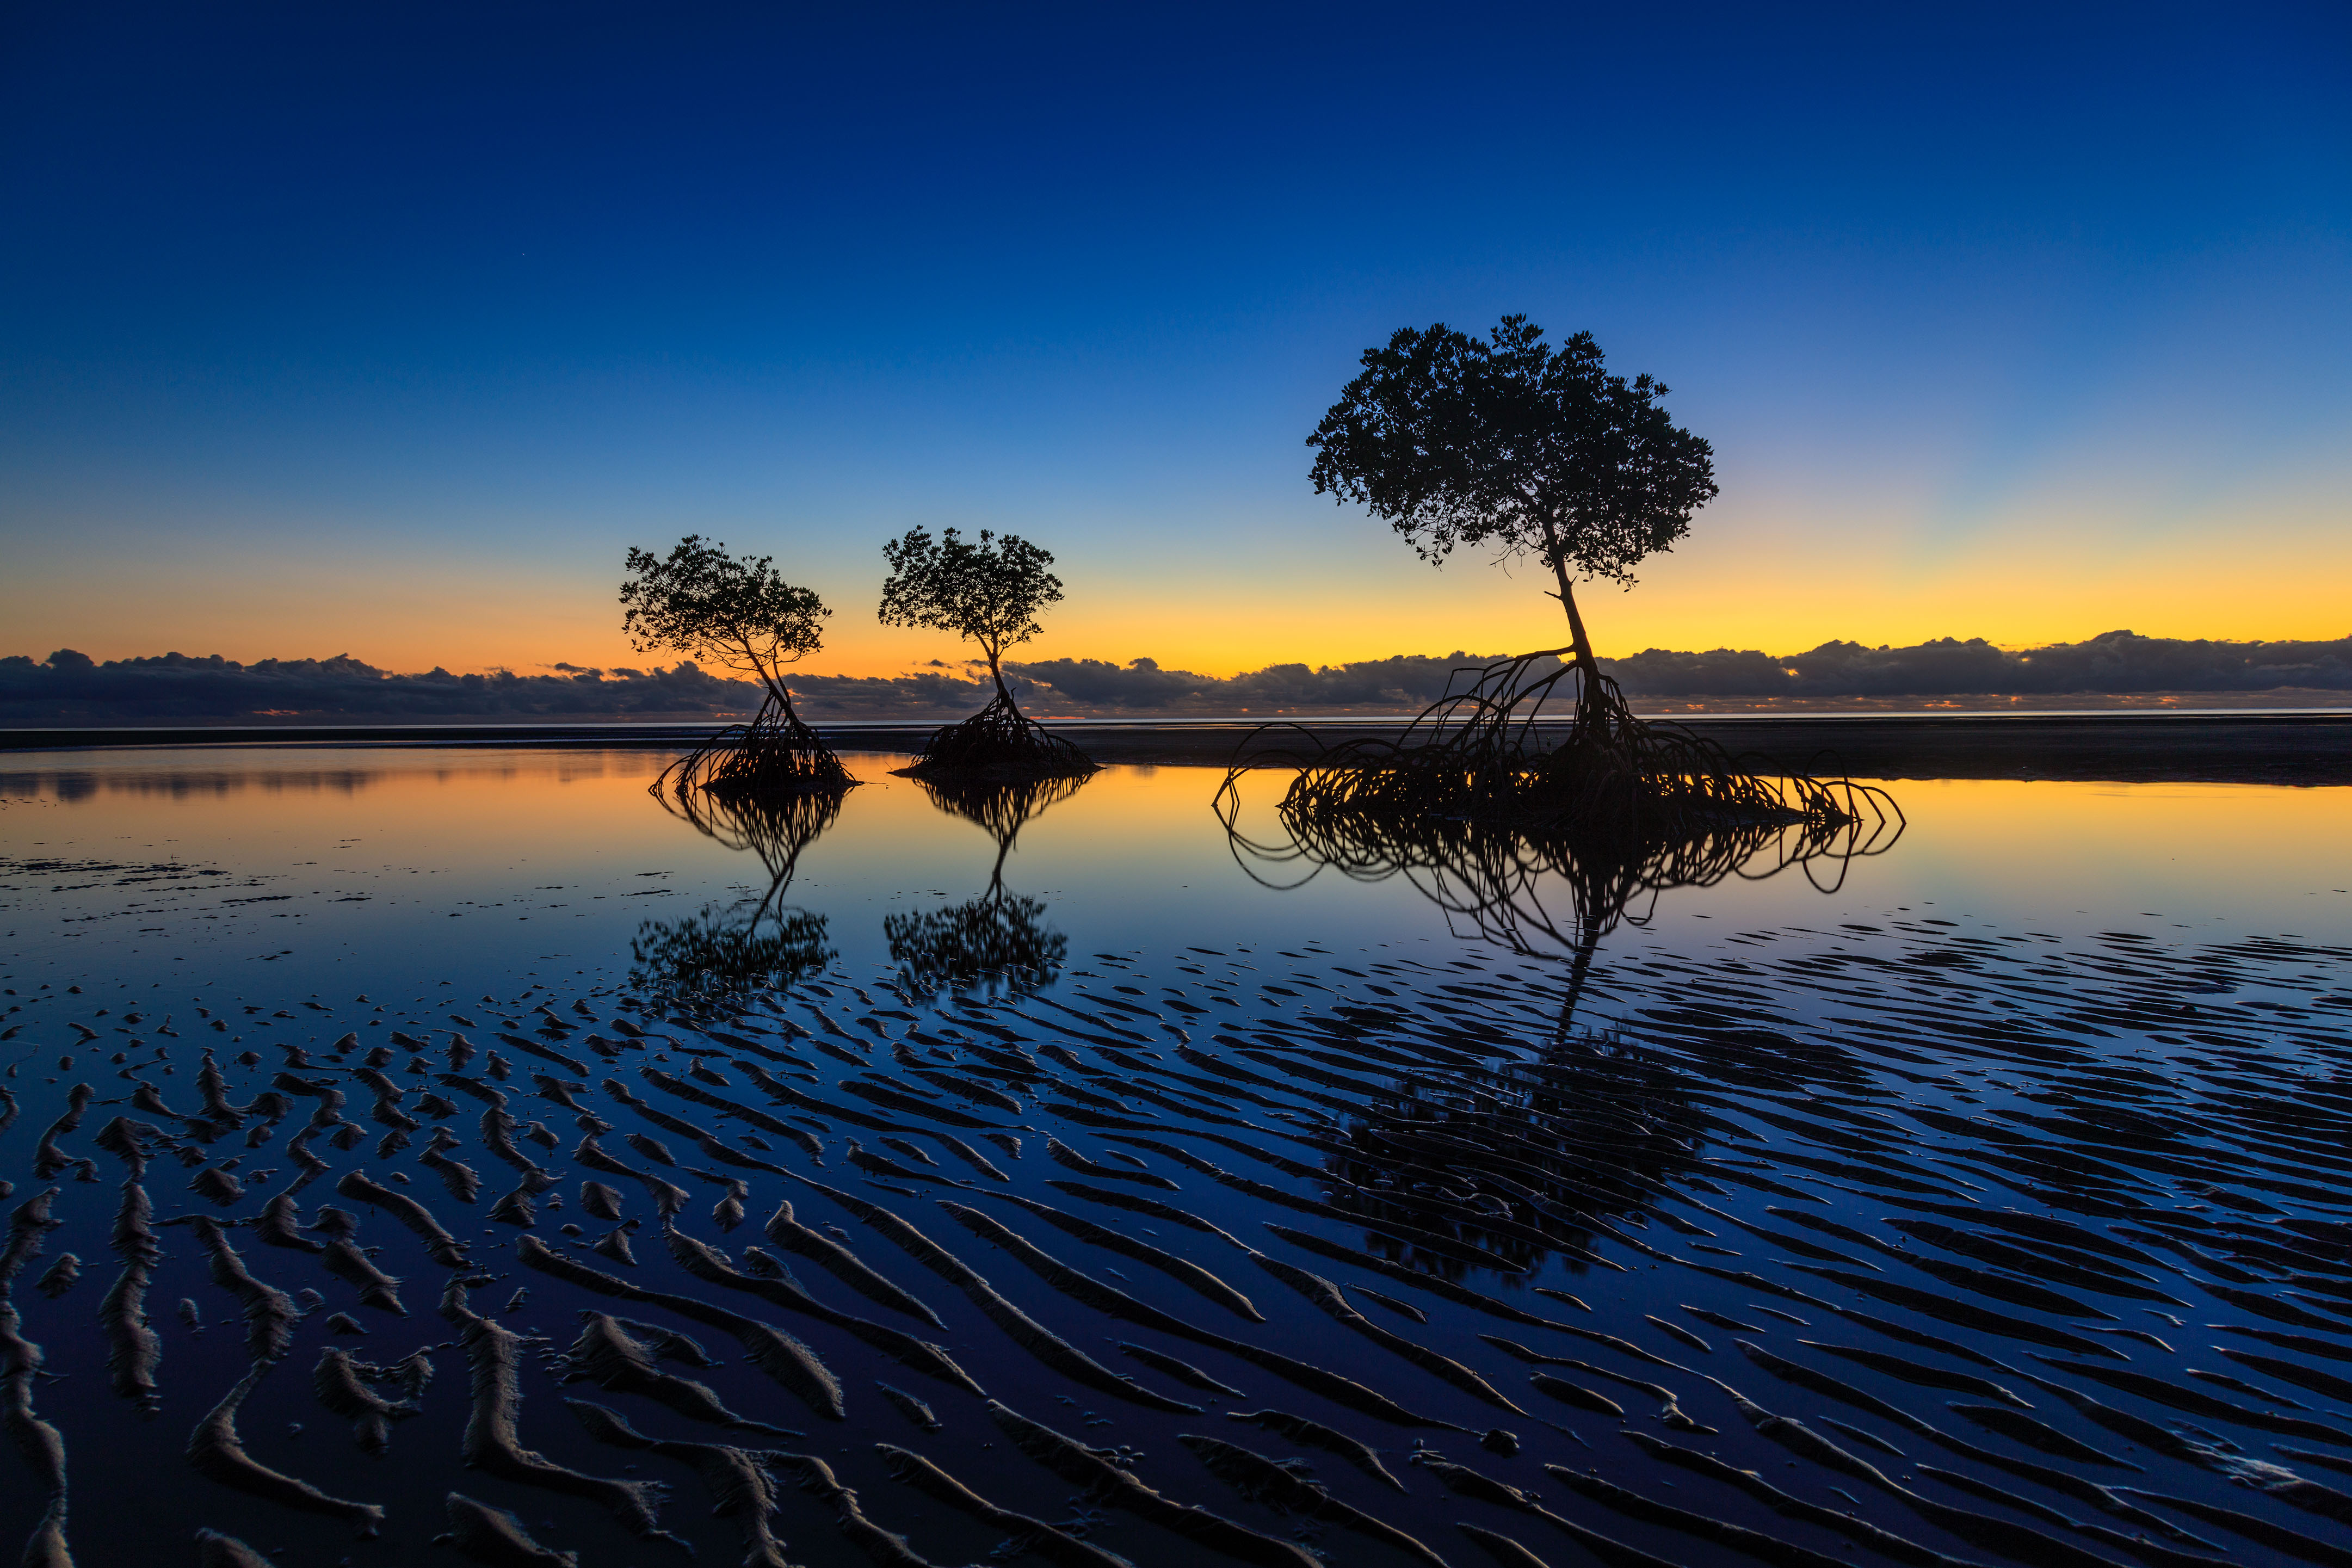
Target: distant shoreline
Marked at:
2308, 747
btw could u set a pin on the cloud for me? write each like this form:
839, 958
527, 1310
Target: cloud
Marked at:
2111, 663
70, 689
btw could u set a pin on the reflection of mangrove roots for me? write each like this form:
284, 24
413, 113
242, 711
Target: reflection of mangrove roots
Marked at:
773, 756
1478, 755
996, 940
1550, 883
998, 744
774, 827
1000, 807
756, 943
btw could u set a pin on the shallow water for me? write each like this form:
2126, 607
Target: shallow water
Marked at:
2035, 1097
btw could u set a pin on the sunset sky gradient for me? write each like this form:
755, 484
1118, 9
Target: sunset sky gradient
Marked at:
387, 329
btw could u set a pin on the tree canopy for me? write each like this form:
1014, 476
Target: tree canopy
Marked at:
1516, 443
991, 591
736, 611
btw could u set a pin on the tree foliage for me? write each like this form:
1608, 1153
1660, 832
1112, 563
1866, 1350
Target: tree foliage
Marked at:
1513, 442
991, 591
736, 611
714, 952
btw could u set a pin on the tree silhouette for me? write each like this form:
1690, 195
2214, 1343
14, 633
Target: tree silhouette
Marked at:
735, 611
738, 612
999, 940
991, 593
757, 943
1514, 442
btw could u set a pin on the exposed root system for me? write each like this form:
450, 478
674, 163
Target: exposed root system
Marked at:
773, 756
1000, 744
1480, 755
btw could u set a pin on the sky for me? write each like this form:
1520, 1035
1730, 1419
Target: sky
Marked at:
387, 329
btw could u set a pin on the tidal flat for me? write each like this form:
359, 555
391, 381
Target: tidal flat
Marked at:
1979, 1198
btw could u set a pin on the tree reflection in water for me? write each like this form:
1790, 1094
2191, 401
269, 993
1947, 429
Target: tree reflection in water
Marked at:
1520, 1154
999, 942
756, 943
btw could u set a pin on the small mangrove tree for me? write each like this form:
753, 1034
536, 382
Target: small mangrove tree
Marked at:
738, 612
990, 593
1533, 450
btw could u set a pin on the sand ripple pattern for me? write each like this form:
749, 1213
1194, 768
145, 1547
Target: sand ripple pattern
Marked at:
1903, 1243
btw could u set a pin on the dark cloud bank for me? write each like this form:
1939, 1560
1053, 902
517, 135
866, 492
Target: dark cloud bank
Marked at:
68, 688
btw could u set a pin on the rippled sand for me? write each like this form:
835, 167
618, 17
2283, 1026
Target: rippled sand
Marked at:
1882, 1235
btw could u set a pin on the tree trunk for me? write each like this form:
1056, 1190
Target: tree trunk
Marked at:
1582, 645
772, 677
784, 694
997, 674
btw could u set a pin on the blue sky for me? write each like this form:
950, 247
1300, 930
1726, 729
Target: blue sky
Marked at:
390, 329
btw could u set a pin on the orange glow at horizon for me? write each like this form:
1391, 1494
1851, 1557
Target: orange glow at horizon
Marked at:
1741, 599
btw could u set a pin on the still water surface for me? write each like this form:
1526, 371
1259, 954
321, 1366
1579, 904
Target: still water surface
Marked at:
1979, 1198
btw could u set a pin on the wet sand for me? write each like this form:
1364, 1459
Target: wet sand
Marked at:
2301, 749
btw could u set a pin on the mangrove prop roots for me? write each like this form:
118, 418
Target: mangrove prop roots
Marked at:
1480, 753
1488, 812
998, 744
773, 756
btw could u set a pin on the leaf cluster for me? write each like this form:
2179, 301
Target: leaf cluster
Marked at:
711, 951
992, 942
736, 611
990, 591
1511, 441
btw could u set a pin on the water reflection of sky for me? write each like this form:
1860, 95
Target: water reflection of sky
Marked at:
368, 868
2123, 1005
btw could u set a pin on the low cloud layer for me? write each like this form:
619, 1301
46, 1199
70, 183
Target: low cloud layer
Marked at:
69, 690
